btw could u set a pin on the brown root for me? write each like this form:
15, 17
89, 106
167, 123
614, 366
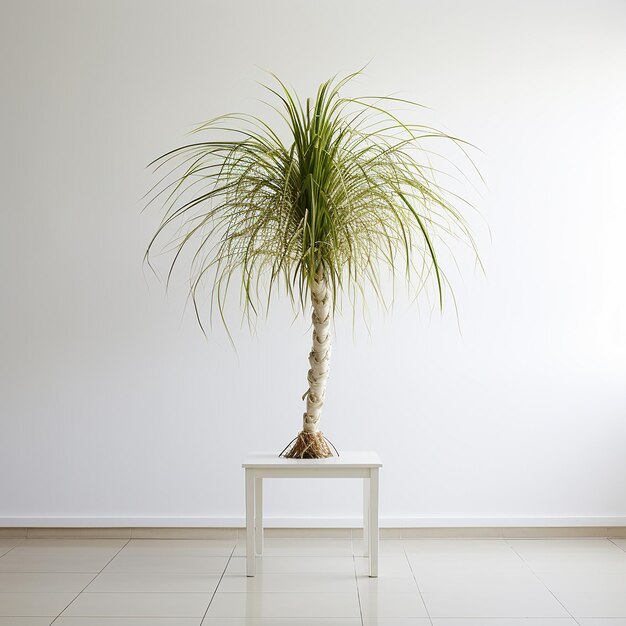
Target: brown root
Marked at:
309, 445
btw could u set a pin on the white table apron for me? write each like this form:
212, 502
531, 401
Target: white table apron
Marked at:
364, 465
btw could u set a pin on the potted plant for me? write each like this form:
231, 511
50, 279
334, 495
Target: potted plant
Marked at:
344, 192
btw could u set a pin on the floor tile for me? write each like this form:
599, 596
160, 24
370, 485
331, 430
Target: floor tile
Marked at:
455, 546
488, 561
594, 603
53, 562
546, 554
34, 604
394, 566
452, 579
39, 545
292, 564
567, 579
293, 605
615, 560
180, 547
26, 621
505, 621
79, 533
599, 621
387, 547
377, 605
301, 547
8, 543
153, 582
184, 534
386, 584
289, 583
44, 582
128, 621
475, 582
590, 566
396, 621
620, 543
493, 604
103, 555
281, 621
563, 546
139, 605
134, 563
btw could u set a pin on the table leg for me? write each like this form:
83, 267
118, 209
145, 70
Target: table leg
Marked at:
250, 557
373, 527
258, 524
366, 517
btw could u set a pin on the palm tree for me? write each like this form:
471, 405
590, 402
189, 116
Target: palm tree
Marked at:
349, 191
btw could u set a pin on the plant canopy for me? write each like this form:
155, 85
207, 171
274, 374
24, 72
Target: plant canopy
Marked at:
320, 205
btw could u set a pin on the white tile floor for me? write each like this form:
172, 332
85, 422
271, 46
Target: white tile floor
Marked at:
313, 582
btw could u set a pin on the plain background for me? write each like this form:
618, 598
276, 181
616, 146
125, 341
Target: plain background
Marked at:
113, 406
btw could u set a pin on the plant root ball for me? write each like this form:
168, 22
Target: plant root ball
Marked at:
308, 445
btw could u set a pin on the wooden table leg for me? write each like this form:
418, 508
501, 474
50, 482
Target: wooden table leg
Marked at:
258, 524
373, 527
250, 556
366, 517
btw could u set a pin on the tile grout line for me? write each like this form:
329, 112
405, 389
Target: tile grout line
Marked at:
539, 579
219, 582
616, 545
89, 583
406, 556
356, 578
13, 548
21, 571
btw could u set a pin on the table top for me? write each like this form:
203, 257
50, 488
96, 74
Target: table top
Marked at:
346, 459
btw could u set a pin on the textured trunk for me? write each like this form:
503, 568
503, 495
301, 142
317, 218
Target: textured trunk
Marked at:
319, 357
310, 443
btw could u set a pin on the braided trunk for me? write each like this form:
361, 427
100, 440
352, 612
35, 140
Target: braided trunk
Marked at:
310, 443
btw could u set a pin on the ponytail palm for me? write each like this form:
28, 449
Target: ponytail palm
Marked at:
340, 191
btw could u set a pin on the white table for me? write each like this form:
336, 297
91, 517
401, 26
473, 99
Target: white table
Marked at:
258, 466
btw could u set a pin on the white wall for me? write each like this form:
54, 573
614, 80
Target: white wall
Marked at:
112, 403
